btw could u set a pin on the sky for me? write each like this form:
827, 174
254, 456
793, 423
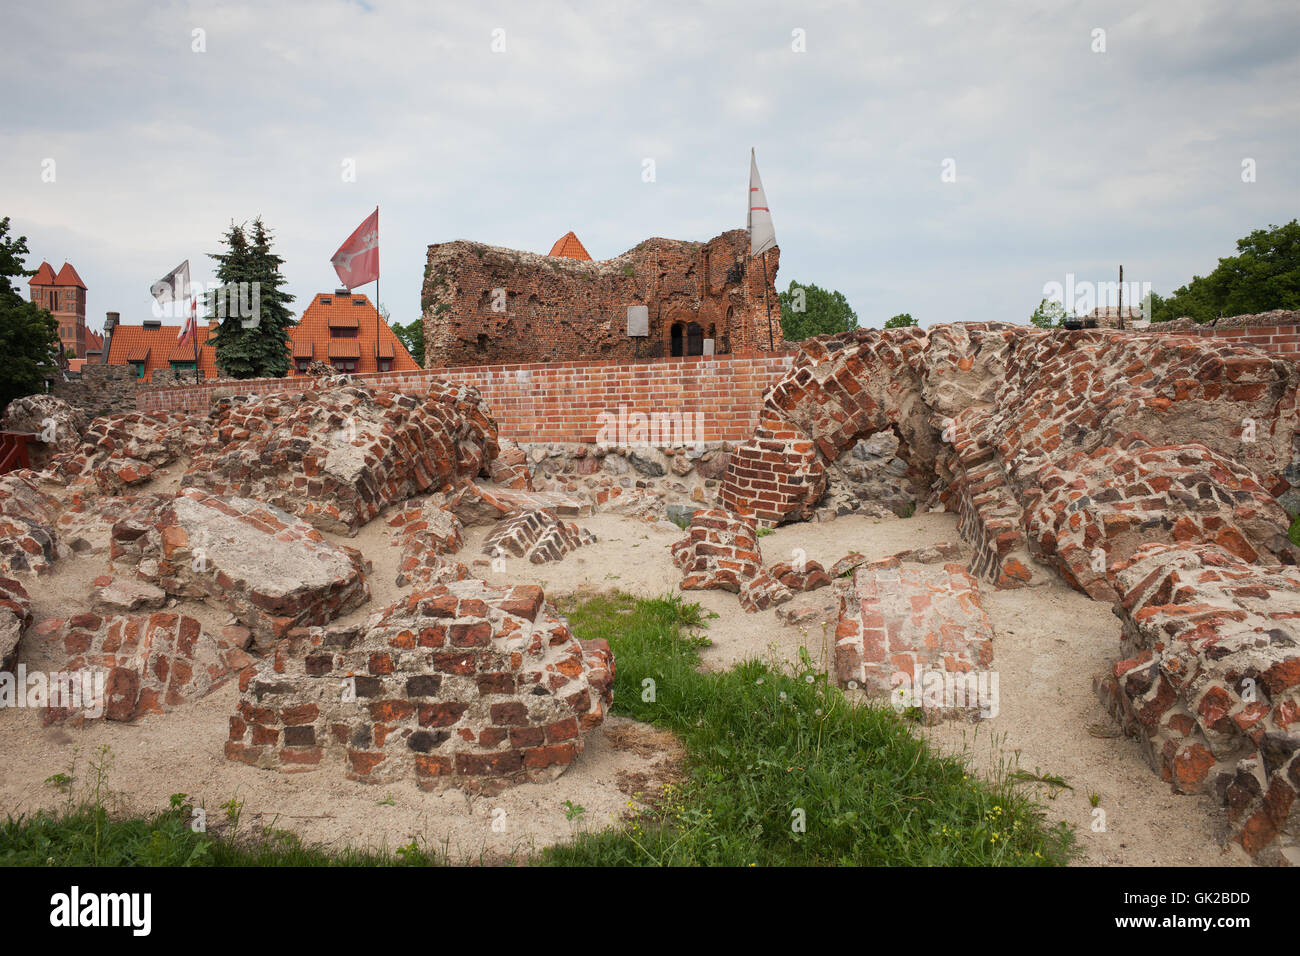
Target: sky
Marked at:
948, 160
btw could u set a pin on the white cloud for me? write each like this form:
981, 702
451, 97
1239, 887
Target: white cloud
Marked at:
1065, 158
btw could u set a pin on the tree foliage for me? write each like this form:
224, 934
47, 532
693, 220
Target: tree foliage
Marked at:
1050, 314
411, 335
900, 321
1263, 275
261, 350
808, 310
29, 335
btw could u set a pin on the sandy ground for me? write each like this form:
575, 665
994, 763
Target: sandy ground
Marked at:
1049, 641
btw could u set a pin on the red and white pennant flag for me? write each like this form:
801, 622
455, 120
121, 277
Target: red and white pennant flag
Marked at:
762, 236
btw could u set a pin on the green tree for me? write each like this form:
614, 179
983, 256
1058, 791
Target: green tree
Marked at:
29, 336
1263, 275
1050, 314
261, 350
411, 336
900, 321
808, 310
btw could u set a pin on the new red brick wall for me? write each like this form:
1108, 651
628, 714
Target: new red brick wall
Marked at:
1277, 332
1281, 340
561, 402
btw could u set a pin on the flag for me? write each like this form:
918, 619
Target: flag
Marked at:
174, 286
357, 261
191, 326
762, 236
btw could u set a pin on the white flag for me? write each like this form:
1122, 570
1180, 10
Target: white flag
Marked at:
174, 286
762, 236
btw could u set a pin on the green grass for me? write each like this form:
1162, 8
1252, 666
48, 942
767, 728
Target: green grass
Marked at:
84, 833
781, 769
1294, 531
767, 748
88, 835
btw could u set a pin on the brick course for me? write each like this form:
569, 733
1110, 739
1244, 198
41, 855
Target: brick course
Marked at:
562, 401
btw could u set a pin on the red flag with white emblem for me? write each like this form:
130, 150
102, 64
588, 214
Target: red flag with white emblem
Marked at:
357, 261
191, 326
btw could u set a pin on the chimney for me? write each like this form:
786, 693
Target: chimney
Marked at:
110, 323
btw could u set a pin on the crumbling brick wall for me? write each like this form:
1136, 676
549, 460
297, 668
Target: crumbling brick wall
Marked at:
1149, 471
552, 309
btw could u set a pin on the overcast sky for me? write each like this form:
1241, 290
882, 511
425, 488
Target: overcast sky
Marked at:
1066, 160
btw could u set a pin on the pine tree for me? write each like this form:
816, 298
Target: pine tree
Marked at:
276, 317
261, 350
235, 355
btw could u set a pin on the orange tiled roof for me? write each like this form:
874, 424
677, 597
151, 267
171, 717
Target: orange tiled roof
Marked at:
94, 341
68, 276
75, 365
348, 310
44, 275
310, 337
344, 349
154, 347
568, 247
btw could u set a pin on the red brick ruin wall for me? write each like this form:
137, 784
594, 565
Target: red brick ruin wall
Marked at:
488, 305
1149, 472
559, 401
563, 401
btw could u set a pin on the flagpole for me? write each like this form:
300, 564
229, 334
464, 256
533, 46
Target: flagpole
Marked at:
771, 347
194, 314
376, 290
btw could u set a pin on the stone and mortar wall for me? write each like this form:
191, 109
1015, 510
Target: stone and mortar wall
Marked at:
101, 390
553, 309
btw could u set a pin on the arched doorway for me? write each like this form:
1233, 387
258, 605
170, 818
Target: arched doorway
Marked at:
694, 339
686, 338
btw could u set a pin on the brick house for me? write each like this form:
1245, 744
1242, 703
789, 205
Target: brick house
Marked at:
340, 328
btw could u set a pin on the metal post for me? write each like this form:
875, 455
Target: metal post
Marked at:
771, 347
1119, 320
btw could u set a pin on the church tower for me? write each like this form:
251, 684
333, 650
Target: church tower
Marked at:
64, 295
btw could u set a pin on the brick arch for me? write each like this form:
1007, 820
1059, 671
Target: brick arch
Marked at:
841, 390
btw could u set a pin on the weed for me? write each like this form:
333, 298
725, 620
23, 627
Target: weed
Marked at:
769, 745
